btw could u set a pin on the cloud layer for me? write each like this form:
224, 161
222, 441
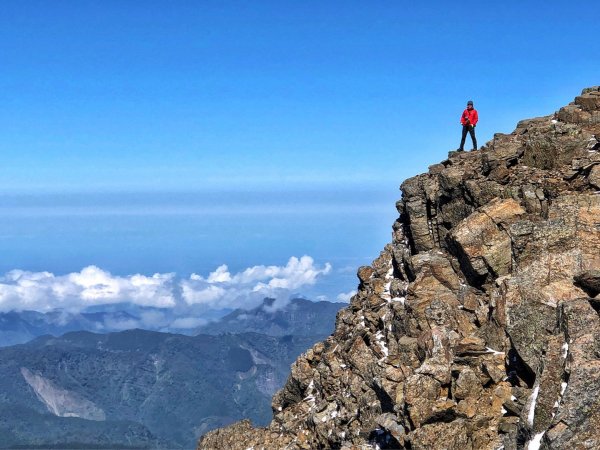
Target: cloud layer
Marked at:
44, 291
251, 286
186, 297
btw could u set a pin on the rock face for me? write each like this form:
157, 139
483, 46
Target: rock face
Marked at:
476, 327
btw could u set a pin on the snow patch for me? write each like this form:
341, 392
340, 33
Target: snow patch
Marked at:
399, 299
493, 352
563, 388
531, 413
381, 343
536, 442
311, 393
565, 348
386, 291
390, 273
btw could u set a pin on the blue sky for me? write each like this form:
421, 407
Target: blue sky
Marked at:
293, 110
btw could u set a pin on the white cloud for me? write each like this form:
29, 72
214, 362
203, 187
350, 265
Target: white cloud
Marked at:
345, 296
221, 275
187, 322
119, 325
200, 293
44, 291
186, 298
249, 287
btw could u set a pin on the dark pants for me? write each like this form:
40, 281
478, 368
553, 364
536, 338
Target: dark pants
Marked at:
471, 130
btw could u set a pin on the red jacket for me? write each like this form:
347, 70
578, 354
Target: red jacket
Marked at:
471, 115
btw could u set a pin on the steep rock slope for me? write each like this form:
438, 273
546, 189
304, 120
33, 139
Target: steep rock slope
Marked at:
477, 326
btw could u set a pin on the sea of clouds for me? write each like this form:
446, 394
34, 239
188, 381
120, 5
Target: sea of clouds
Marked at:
166, 300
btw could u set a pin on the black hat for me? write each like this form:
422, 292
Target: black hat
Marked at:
470, 102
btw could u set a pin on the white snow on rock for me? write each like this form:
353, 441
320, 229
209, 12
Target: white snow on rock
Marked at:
536, 442
310, 389
390, 273
493, 352
565, 348
563, 388
381, 343
386, 291
533, 399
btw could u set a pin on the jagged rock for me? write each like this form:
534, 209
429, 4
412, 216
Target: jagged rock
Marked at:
576, 420
441, 436
475, 327
594, 176
467, 385
482, 242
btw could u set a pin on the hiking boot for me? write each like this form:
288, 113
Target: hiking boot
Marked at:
460, 150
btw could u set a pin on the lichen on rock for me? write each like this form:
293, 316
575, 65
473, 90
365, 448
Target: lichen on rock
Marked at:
476, 327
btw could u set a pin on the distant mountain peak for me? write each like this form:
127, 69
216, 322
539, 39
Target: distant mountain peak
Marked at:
298, 317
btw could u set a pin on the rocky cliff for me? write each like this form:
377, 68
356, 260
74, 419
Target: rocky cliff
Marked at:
478, 325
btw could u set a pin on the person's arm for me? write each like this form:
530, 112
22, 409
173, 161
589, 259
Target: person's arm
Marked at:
475, 118
462, 119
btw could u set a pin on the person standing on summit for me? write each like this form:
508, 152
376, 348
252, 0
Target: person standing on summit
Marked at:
468, 120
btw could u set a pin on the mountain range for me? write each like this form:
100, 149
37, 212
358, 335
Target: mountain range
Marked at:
146, 389
18, 327
300, 317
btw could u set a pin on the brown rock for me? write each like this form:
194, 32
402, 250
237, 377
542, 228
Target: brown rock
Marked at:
483, 243
594, 176
467, 315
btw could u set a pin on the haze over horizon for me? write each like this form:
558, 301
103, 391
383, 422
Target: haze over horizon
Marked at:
172, 139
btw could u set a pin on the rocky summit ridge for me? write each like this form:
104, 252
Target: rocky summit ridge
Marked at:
478, 326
